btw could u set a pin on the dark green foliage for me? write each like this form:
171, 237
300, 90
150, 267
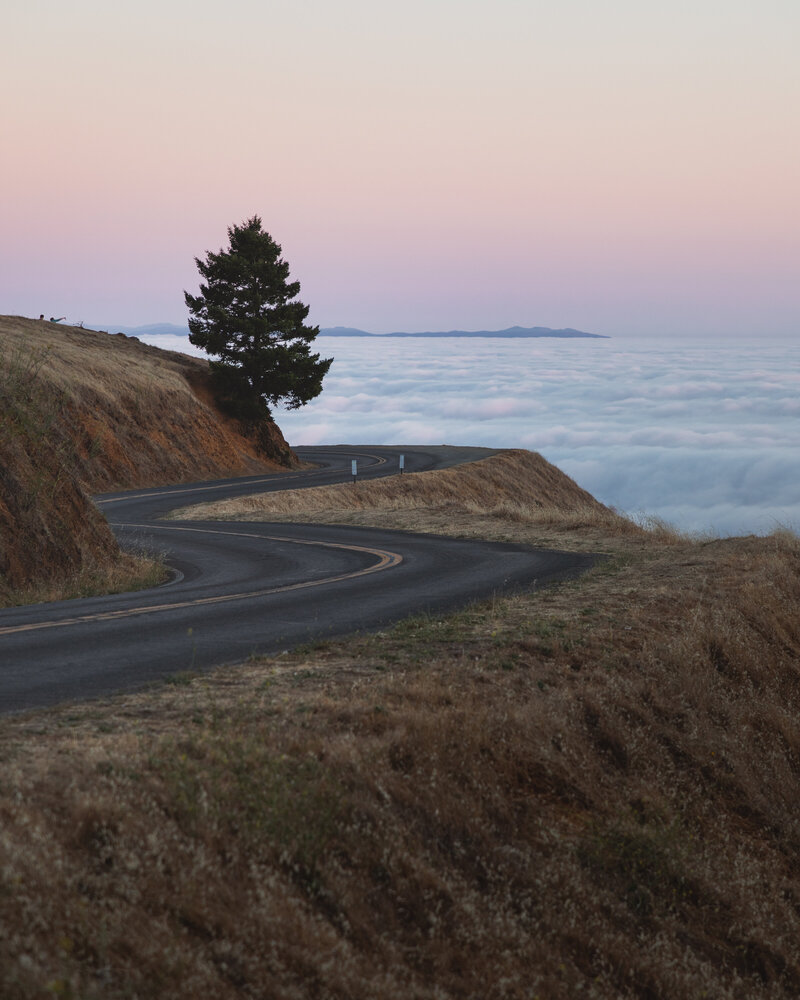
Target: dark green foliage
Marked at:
247, 316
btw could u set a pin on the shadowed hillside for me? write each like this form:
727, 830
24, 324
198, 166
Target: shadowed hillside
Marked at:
84, 412
587, 790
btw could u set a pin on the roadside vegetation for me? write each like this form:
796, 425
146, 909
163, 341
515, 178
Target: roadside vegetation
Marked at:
587, 790
124, 573
136, 415
515, 495
83, 412
54, 544
53, 541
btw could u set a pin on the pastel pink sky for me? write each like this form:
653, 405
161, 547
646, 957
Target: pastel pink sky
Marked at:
618, 167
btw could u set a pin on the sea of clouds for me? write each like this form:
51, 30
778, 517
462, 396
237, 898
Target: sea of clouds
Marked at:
704, 435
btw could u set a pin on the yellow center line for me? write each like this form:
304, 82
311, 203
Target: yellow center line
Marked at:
386, 560
379, 459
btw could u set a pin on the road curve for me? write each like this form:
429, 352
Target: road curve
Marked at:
245, 588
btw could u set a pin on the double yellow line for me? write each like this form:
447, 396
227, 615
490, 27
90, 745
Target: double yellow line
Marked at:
386, 560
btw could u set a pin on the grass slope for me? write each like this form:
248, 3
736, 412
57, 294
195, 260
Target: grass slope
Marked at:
137, 415
82, 412
587, 791
513, 485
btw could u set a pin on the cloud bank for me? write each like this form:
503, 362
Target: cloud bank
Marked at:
705, 436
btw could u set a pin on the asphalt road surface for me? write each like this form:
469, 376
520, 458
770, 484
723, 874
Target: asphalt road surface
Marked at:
249, 587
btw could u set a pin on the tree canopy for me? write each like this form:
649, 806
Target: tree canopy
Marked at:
248, 319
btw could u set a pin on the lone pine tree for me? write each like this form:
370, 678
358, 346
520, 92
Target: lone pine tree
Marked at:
247, 317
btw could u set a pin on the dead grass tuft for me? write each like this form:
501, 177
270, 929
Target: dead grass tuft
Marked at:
128, 572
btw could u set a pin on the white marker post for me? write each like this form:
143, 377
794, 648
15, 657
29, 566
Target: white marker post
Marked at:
402, 463
354, 468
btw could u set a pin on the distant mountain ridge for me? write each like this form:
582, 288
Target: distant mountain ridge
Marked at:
166, 329
512, 331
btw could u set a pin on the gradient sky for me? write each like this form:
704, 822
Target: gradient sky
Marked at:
619, 166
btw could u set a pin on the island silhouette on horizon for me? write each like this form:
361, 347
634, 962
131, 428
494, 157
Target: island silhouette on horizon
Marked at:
512, 331
166, 329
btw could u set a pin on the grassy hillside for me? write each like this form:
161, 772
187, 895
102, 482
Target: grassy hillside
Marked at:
84, 412
589, 790
515, 486
137, 415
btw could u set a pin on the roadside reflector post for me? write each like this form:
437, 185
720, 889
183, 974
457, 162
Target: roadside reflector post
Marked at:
402, 463
354, 468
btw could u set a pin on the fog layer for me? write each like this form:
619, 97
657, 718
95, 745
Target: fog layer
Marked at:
705, 436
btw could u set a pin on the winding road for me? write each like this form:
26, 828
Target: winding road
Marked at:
244, 588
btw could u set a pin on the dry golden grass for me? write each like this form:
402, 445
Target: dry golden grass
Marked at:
514, 495
586, 791
136, 415
49, 529
82, 412
513, 484
124, 573
82, 362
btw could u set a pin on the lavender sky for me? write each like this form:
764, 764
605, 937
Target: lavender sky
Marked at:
620, 167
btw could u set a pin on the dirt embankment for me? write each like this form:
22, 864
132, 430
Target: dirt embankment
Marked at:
84, 412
